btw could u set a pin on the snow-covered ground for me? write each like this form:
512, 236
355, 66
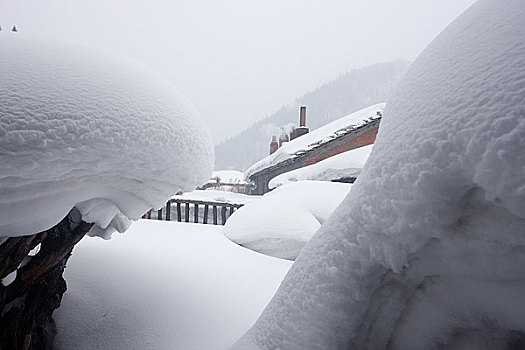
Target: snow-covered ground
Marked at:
88, 128
427, 250
346, 164
316, 137
283, 221
163, 285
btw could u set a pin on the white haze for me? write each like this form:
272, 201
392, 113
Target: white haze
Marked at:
238, 60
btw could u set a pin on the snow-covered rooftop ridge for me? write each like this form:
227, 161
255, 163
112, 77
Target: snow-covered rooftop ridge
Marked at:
426, 251
86, 128
318, 137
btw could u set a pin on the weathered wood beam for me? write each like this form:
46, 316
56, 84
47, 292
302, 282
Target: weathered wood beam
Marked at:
27, 303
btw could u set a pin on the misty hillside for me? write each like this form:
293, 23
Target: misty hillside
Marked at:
349, 92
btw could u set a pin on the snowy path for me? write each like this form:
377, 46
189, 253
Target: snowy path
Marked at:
164, 285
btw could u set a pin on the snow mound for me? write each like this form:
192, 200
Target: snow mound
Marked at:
346, 164
84, 128
318, 137
281, 222
426, 251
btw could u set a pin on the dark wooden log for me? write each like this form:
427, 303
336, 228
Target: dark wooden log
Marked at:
159, 214
205, 218
39, 283
179, 213
215, 215
196, 213
187, 213
223, 214
168, 211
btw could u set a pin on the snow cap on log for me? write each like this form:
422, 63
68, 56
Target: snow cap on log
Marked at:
87, 128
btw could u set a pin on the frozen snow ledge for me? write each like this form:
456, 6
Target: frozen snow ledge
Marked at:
427, 250
80, 127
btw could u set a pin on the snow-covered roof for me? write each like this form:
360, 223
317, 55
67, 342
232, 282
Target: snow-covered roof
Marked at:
82, 127
228, 176
318, 137
216, 196
346, 164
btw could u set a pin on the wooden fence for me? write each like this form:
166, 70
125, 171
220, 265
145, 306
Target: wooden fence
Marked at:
184, 210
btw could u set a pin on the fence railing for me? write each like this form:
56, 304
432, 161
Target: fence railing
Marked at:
185, 210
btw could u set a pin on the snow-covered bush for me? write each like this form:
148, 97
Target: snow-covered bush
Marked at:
283, 221
427, 250
81, 127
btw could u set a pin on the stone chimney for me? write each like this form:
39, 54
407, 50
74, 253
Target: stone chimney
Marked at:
273, 145
302, 129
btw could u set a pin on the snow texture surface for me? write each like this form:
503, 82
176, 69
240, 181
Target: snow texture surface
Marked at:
426, 251
284, 220
175, 286
81, 127
317, 137
346, 164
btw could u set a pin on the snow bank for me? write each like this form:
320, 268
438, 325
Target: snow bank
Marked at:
426, 251
317, 137
84, 128
346, 164
175, 286
283, 221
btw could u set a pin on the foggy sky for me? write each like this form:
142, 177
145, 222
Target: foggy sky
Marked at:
240, 60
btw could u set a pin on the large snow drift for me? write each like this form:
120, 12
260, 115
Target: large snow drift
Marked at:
426, 251
84, 128
346, 164
282, 221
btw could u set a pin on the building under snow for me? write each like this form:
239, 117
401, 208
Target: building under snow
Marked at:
347, 133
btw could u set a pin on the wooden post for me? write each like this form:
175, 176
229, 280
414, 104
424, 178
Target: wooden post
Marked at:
223, 214
179, 213
215, 215
187, 213
205, 219
231, 210
168, 211
196, 213
159, 214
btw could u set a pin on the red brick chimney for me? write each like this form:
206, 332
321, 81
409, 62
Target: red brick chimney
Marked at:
273, 145
283, 138
302, 129
302, 119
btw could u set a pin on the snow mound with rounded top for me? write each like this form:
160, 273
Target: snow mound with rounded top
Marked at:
426, 251
81, 127
281, 222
